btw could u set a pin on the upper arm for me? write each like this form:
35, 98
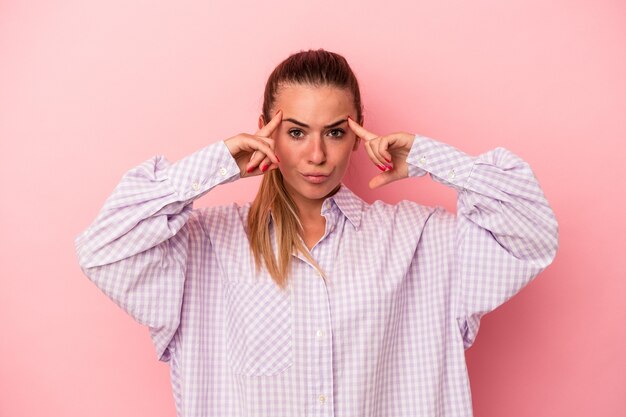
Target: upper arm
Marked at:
506, 234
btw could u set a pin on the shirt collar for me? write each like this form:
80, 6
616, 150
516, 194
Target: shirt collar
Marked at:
348, 203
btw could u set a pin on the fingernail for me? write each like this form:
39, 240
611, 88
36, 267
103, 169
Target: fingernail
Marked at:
382, 168
250, 169
388, 160
389, 167
263, 168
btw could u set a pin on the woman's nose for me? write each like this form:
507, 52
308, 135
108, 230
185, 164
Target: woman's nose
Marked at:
317, 151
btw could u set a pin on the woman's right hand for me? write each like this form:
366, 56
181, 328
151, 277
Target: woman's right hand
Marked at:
254, 154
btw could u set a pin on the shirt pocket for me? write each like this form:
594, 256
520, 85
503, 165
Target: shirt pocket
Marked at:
258, 328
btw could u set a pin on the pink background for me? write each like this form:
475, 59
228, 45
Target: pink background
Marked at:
90, 89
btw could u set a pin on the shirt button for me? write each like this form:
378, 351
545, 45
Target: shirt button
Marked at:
322, 398
451, 175
320, 334
195, 186
422, 160
222, 171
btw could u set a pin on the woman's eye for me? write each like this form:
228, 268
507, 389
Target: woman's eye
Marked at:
291, 132
340, 133
297, 133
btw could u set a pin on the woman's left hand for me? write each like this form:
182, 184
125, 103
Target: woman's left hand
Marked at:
387, 152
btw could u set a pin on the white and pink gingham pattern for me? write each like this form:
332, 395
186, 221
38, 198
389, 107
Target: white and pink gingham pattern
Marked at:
384, 336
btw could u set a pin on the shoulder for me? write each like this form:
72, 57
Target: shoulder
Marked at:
220, 217
408, 216
381, 210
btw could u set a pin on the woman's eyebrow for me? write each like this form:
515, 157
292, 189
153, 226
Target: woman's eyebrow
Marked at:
338, 122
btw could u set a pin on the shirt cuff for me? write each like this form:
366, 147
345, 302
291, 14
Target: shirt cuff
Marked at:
445, 163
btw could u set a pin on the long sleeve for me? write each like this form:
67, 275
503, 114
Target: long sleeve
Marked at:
505, 232
136, 249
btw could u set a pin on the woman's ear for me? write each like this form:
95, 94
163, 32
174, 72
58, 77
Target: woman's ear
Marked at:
261, 121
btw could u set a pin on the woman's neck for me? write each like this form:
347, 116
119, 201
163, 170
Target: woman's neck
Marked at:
310, 214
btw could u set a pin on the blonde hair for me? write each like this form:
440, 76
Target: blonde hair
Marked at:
315, 68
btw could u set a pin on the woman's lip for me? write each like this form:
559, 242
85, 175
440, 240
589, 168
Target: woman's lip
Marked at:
315, 179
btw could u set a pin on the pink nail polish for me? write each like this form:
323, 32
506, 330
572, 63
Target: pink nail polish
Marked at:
263, 168
381, 167
250, 169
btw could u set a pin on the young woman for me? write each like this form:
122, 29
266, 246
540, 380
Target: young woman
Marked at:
308, 301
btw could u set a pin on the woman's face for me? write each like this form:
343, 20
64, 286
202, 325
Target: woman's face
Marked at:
313, 141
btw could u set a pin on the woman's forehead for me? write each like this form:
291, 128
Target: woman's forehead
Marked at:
314, 105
